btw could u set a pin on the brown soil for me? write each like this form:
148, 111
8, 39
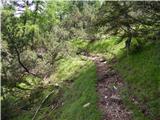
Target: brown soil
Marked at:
108, 87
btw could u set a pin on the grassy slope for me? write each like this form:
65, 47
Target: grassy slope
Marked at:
141, 71
67, 68
108, 48
81, 91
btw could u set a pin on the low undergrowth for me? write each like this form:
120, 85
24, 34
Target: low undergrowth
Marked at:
75, 94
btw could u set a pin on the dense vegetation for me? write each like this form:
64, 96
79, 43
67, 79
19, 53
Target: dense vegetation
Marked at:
45, 74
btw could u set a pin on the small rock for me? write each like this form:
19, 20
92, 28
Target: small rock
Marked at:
93, 58
105, 97
86, 105
62, 103
102, 60
105, 62
115, 98
135, 102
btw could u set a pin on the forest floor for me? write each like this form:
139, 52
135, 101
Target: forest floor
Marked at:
108, 87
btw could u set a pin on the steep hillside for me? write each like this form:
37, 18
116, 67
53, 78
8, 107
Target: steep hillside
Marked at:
74, 96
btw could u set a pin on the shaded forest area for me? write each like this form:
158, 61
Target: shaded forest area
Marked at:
46, 72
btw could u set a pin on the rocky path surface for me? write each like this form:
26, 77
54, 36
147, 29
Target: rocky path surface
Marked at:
108, 87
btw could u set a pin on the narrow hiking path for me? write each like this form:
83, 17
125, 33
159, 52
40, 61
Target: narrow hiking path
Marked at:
108, 87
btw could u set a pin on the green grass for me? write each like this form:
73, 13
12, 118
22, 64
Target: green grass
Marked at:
78, 44
141, 72
75, 95
67, 68
82, 91
108, 48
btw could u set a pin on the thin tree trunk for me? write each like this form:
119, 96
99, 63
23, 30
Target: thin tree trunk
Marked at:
20, 62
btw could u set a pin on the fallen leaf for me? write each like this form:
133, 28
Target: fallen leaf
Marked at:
86, 105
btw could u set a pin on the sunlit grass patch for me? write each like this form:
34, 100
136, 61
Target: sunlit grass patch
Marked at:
67, 68
109, 48
81, 92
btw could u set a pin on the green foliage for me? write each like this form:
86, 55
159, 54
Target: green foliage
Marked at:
82, 14
78, 45
39, 54
129, 20
31, 47
29, 44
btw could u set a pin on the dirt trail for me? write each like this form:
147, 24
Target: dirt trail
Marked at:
108, 87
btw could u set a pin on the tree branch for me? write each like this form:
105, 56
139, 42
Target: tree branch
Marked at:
42, 103
20, 62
